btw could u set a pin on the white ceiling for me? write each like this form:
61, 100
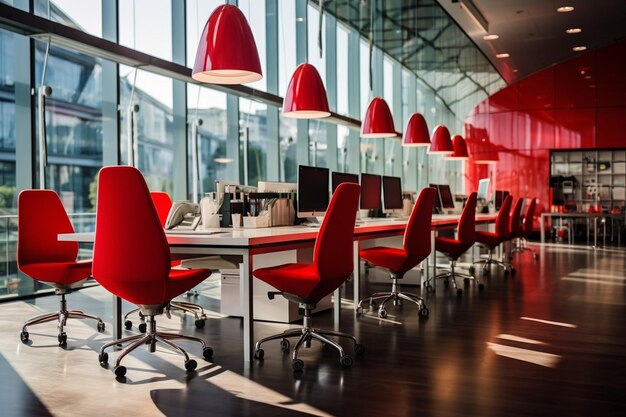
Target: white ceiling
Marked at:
533, 32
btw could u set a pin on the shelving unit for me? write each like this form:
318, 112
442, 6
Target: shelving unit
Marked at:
584, 178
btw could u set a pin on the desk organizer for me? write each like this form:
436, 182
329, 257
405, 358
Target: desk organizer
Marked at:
256, 222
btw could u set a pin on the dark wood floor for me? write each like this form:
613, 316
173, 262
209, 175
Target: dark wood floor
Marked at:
491, 353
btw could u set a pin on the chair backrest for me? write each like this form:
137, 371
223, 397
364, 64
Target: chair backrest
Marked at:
502, 220
162, 204
467, 223
527, 229
515, 223
40, 218
333, 252
131, 254
417, 234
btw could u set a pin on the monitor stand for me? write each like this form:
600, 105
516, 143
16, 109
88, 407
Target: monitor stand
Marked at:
313, 221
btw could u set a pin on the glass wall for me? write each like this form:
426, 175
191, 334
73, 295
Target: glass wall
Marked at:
96, 105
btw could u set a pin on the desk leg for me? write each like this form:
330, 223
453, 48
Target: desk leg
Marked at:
356, 274
337, 306
246, 307
542, 229
432, 259
117, 318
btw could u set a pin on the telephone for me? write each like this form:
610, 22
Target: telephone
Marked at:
184, 215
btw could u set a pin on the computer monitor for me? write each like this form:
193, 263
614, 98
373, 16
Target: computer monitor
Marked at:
447, 201
337, 178
371, 191
437, 207
483, 189
499, 198
392, 193
312, 191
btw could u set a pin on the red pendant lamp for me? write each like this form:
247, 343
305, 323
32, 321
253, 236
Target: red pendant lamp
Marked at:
459, 149
416, 132
378, 122
227, 53
441, 142
306, 95
486, 158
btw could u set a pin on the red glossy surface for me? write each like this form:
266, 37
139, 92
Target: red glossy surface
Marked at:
378, 121
459, 148
441, 143
416, 132
580, 103
306, 96
227, 52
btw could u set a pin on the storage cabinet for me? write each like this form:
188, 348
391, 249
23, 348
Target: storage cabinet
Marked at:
581, 179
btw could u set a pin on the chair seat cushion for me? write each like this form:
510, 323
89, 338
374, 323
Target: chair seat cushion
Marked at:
177, 282
300, 280
452, 247
487, 238
181, 280
393, 259
62, 274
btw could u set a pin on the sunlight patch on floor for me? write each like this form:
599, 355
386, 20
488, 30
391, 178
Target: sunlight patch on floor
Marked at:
519, 339
553, 323
526, 355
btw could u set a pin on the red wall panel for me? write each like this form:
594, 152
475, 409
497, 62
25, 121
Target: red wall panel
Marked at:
580, 103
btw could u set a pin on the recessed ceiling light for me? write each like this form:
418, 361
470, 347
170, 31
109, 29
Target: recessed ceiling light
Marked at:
503, 55
573, 30
565, 9
490, 37
579, 48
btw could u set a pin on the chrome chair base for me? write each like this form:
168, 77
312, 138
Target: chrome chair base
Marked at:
305, 335
521, 247
191, 308
150, 339
451, 275
394, 295
61, 317
508, 268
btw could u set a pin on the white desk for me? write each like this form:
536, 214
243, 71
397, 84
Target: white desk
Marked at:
249, 242
586, 216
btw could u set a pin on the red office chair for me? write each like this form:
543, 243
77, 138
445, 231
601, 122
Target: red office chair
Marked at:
398, 261
41, 256
454, 248
163, 204
493, 240
306, 284
132, 260
525, 231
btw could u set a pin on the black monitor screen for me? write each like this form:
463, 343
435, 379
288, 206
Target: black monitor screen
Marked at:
340, 177
370, 191
392, 193
437, 207
499, 198
312, 189
446, 196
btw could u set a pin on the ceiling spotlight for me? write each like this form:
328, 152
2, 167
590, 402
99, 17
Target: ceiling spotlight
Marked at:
565, 9
579, 48
490, 37
503, 55
573, 30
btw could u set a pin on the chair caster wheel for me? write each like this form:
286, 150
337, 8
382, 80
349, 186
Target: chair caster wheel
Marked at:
191, 365
200, 323
466, 281
259, 354
24, 337
429, 288
284, 345
62, 338
472, 270
424, 312
459, 292
481, 286
128, 324
346, 361
359, 310
297, 365
120, 371
359, 349
103, 358
382, 313
101, 326
207, 353
142, 327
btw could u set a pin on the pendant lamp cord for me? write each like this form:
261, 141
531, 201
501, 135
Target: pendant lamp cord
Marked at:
371, 48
